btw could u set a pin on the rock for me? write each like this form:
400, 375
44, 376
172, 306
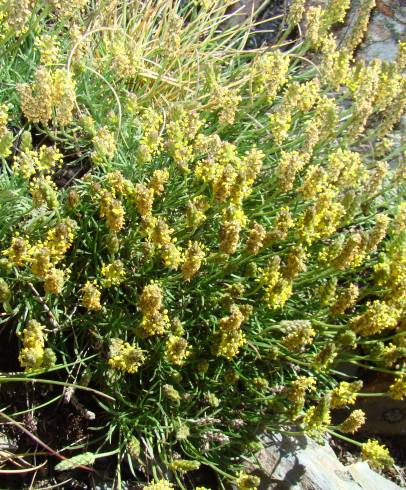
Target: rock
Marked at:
241, 11
384, 416
369, 479
386, 51
295, 463
299, 463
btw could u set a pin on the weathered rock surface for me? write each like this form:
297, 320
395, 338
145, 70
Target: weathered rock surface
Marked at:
368, 478
299, 463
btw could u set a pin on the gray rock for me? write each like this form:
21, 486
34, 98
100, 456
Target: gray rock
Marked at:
369, 479
384, 50
299, 463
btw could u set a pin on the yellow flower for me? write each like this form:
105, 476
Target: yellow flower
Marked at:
244, 481
255, 239
113, 210
353, 422
91, 296
184, 465
361, 23
397, 390
345, 300
125, 357
49, 49
376, 454
296, 11
151, 299
31, 355
177, 350
160, 485
192, 260
104, 146
19, 251
377, 317
269, 73
290, 164
54, 281
297, 334
230, 338
44, 191
151, 140
345, 394
113, 274
158, 181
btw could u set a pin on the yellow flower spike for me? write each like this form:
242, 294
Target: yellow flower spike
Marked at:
335, 68
345, 300
230, 235
317, 418
378, 316
48, 46
32, 354
113, 210
295, 262
345, 169
269, 73
6, 136
296, 11
297, 334
160, 233
160, 485
54, 281
244, 481
358, 30
104, 146
336, 11
378, 232
155, 320
192, 260
172, 256
91, 296
279, 124
290, 164
44, 191
177, 350
313, 25
352, 252
113, 274
144, 200
377, 455
184, 465
364, 97
125, 357
19, 252
397, 390
151, 141
151, 299
230, 338
60, 238
345, 394
158, 180
226, 101
353, 422
37, 98
255, 239
401, 56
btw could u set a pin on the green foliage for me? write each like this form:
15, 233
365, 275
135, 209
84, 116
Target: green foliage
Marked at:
202, 232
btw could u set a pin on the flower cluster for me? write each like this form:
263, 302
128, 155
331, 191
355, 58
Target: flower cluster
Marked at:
155, 320
33, 354
124, 356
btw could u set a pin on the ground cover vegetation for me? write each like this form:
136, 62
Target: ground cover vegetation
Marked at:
196, 237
